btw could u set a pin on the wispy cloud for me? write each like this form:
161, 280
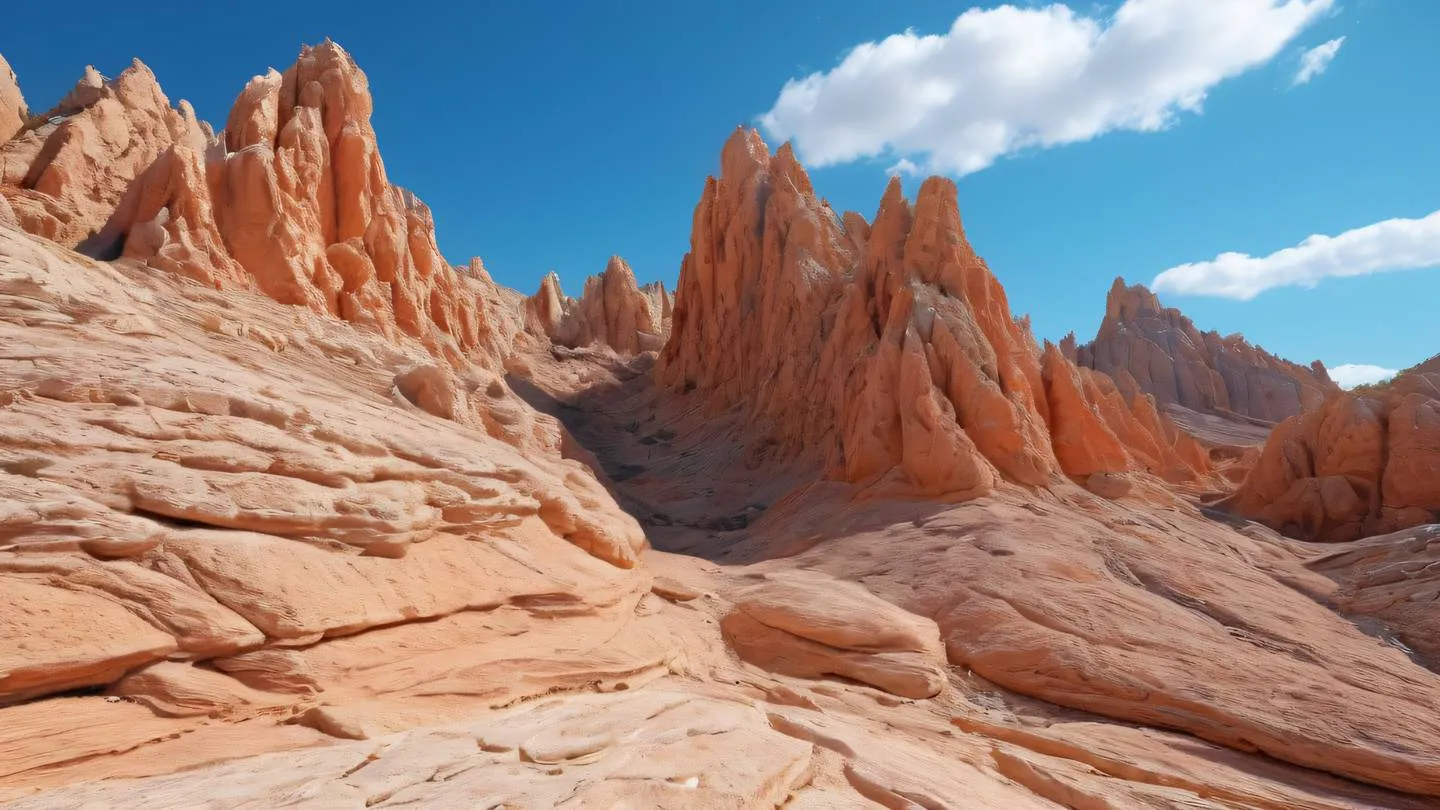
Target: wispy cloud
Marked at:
1394, 244
905, 166
1314, 61
1007, 79
1349, 375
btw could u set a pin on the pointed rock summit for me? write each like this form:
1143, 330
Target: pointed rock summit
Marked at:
1153, 349
885, 352
614, 311
292, 198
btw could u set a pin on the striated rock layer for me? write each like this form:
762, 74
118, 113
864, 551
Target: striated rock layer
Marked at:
1156, 350
1363, 463
614, 311
885, 353
231, 527
215, 509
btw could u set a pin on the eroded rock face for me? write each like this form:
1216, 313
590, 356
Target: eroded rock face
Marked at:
614, 312
292, 198
13, 112
190, 476
886, 353
1393, 578
1160, 352
811, 626
653, 749
1361, 464
65, 177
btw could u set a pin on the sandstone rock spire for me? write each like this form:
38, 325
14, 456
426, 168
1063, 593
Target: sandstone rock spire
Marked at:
613, 311
886, 353
292, 199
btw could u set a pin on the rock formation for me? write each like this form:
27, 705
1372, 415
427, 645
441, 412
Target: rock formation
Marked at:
286, 534
65, 176
1392, 578
886, 352
190, 478
1363, 463
613, 311
292, 198
819, 626
1158, 351
13, 112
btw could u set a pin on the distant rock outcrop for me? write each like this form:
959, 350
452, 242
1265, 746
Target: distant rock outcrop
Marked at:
1158, 351
1364, 463
613, 311
886, 352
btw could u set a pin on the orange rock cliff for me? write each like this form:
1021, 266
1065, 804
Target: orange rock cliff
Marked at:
293, 510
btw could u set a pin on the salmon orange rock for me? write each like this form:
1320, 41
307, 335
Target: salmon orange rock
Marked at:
293, 511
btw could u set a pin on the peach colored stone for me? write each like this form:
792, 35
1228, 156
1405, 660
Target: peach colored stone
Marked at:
1363, 463
13, 112
65, 177
614, 312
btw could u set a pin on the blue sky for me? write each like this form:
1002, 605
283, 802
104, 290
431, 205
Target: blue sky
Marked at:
549, 136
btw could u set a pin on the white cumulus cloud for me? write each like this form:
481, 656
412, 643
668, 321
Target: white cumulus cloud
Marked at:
1314, 61
1008, 78
1394, 244
1349, 375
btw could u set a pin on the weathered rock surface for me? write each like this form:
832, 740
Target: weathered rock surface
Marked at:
1161, 619
13, 112
885, 353
216, 509
292, 198
1156, 350
614, 312
816, 626
654, 749
65, 177
1362, 464
1138, 610
1394, 578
